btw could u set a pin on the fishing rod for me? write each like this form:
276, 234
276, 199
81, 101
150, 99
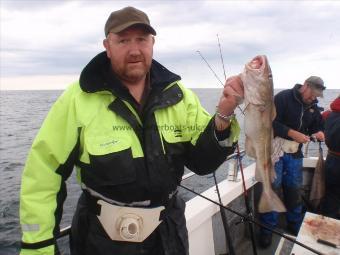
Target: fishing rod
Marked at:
229, 242
245, 192
224, 220
247, 201
219, 46
245, 218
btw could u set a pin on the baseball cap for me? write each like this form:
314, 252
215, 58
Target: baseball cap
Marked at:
316, 84
127, 17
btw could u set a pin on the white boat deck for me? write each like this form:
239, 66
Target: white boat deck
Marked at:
199, 211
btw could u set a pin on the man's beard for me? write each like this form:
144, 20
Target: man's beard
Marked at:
135, 74
132, 73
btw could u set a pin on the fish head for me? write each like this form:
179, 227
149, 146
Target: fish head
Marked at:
260, 68
258, 80
257, 62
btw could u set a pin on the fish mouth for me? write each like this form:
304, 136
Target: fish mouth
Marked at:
256, 62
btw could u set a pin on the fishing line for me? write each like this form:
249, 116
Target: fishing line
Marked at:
210, 67
216, 75
251, 220
219, 46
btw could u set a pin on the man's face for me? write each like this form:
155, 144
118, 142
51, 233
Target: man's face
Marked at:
308, 95
130, 52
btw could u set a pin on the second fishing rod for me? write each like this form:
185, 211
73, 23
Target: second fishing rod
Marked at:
251, 220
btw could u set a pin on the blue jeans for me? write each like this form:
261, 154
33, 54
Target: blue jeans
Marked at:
289, 179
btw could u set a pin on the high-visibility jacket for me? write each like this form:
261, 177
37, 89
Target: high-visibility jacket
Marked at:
120, 151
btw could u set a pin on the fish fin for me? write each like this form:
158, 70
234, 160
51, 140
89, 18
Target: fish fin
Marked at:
273, 112
272, 175
270, 201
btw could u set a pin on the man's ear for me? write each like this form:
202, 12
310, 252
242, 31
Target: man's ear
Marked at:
304, 87
106, 46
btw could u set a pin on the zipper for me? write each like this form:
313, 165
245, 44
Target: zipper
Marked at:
301, 115
302, 111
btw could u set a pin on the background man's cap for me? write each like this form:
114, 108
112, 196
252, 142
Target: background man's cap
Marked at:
127, 17
316, 84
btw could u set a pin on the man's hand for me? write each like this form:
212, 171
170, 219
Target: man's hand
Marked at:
232, 96
320, 136
298, 137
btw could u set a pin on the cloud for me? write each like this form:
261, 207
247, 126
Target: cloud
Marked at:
60, 37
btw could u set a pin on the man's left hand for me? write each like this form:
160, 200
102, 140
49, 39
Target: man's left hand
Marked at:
320, 136
232, 96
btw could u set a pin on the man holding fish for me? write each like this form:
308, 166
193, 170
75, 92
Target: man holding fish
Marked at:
134, 170
297, 119
109, 124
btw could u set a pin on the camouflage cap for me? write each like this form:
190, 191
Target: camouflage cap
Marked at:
316, 84
127, 17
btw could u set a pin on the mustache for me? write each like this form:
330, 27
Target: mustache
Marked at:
134, 58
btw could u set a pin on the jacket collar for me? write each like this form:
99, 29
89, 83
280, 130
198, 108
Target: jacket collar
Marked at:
298, 97
98, 76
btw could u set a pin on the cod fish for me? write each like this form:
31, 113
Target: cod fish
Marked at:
318, 183
259, 114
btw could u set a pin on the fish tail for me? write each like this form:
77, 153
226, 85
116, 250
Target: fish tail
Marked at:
269, 201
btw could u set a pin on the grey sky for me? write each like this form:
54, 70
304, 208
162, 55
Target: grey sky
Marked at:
57, 38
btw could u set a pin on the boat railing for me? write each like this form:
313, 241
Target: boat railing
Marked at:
232, 159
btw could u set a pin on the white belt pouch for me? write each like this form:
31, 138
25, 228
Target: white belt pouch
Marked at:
131, 224
290, 146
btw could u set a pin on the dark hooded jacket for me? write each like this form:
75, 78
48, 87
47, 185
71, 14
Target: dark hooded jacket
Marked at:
293, 113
